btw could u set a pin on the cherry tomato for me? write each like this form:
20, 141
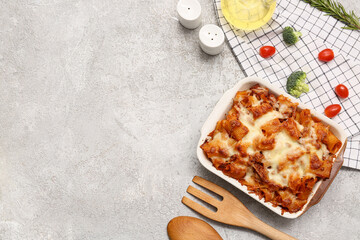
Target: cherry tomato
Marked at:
332, 110
326, 55
342, 91
267, 51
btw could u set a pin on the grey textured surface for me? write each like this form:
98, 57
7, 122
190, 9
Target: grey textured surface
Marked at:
101, 104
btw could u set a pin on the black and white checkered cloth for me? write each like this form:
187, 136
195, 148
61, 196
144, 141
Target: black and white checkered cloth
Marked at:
319, 32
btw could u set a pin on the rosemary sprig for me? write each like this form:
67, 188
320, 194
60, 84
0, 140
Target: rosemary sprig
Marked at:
336, 10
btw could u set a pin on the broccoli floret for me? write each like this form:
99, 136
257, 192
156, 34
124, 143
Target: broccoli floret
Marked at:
290, 36
296, 85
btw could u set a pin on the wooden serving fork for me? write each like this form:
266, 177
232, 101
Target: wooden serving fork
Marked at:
229, 210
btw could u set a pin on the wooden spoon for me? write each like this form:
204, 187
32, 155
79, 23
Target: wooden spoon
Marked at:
185, 228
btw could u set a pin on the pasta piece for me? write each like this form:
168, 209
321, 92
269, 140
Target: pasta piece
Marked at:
240, 95
235, 129
271, 127
327, 137
286, 107
219, 163
321, 132
260, 110
320, 168
233, 114
332, 142
235, 170
291, 127
259, 91
265, 143
242, 148
305, 118
272, 100
219, 146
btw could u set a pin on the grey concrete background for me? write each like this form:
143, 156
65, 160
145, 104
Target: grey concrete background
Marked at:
101, 106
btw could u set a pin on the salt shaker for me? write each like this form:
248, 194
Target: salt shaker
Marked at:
189, 13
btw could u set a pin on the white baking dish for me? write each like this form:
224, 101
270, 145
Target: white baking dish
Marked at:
224, 105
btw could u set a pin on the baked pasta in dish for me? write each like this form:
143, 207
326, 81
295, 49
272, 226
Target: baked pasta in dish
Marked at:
273, 148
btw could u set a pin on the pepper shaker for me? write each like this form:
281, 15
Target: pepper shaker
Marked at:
212, 39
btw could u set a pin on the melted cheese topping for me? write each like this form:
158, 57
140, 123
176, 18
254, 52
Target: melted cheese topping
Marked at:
284, 145
254, 126
225, 143
274, 158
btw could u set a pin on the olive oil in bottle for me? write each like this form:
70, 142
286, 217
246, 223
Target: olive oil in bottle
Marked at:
248, 14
